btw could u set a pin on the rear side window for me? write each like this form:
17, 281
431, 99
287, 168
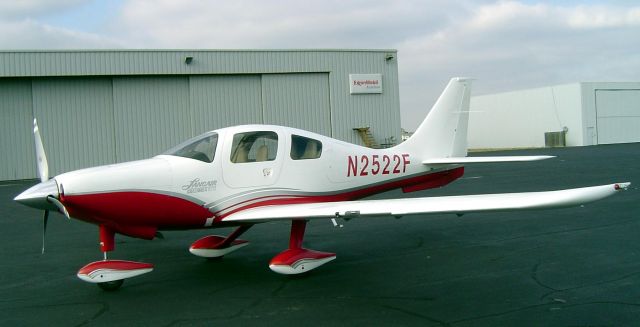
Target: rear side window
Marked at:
254, 147
305, 148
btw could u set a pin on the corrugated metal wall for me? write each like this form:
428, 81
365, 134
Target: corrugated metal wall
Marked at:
378, 111
16, 138
297, 100
224, 100
75, 118
100, 107
151, 115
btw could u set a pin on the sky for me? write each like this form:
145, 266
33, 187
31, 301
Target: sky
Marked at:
504, 45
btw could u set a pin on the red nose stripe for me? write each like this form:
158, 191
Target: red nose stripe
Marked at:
137, 208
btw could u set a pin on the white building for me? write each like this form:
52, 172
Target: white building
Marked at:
590, 113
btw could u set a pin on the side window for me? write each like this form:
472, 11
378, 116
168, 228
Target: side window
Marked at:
254, 147
305, 148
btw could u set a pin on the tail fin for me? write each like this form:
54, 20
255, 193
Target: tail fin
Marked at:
443, 133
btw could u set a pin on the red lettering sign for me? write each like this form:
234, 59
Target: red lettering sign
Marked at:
366, 165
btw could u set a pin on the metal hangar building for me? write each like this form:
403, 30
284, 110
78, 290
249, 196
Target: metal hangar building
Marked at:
577, 114
105, 106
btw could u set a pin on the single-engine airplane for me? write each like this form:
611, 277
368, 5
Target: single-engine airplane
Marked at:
244, 175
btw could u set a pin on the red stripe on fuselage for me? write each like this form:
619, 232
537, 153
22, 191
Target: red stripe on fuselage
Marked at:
416, 183
136, 208
146, 209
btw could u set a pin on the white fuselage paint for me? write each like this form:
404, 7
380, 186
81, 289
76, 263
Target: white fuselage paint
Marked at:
342, 172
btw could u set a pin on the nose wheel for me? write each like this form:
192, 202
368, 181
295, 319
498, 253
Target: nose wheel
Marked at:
109, 275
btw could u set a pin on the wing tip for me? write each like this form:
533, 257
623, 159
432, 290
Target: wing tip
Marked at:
621, 186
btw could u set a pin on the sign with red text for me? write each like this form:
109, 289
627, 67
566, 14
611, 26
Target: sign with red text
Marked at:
365, 83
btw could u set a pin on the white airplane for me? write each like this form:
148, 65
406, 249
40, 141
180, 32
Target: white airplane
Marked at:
244, 175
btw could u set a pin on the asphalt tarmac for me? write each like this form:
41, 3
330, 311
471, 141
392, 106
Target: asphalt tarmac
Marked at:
568, 267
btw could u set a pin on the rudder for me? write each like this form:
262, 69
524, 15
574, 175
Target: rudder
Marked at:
443, 133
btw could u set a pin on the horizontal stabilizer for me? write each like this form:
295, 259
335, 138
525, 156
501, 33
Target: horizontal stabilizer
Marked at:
432, 205
468, 160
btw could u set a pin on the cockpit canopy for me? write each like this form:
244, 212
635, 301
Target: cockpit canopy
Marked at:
247, 147
202, 147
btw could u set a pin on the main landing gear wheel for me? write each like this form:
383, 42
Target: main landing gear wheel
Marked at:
214, 247
111, 286
296, 259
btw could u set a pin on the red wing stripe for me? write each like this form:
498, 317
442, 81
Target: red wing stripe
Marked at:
416, 183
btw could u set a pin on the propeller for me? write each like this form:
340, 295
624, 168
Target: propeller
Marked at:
45, 219
41, 157
43, 173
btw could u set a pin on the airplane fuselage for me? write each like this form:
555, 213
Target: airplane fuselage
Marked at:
171, 191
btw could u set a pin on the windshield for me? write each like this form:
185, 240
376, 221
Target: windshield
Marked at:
201, 148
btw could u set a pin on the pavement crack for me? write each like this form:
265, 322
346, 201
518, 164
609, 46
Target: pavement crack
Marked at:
604, 302
553, 290
502, 313
566, 231
276, 291
418, 315
534, 276
104, 308
234, 315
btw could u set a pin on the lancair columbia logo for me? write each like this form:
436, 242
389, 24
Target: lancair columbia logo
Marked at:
197, 186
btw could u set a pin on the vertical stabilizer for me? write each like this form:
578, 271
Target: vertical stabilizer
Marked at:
443, 133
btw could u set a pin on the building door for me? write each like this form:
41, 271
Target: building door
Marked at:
618, 116
219, 101
297, 100
16, 130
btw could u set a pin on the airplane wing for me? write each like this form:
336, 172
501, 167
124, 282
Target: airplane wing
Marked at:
429, 205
